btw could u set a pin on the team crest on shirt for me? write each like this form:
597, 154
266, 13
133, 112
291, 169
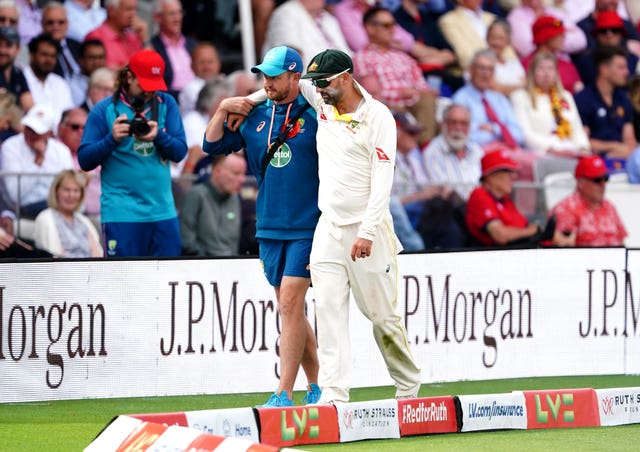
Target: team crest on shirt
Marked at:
260, 126
143, 148
382, 156
111, 247
282, 157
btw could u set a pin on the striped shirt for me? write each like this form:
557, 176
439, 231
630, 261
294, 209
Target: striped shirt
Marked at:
445, 168
396, 71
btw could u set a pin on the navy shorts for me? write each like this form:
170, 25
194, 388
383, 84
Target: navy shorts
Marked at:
284, 258
157, 238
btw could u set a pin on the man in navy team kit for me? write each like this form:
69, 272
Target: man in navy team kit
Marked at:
287, 204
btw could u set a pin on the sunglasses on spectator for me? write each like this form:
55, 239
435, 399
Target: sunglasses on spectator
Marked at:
10, 20
75, 127
599, 180
324, 82
603, 31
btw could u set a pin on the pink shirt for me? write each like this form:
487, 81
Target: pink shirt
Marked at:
120, 47
349, 14
521, 19
180, 62
594, 227
394, 69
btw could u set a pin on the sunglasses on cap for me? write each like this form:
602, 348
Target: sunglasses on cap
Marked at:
599, 180
324, 82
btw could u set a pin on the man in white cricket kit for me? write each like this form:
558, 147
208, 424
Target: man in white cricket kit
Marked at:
354, 246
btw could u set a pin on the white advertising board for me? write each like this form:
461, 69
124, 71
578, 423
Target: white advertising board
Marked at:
83, 329
619, 406
493, 411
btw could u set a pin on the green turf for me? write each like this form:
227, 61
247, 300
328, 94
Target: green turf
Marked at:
71, 425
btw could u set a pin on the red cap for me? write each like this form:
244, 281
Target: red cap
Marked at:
496, 161
545, 28
591, 167
148, 67
608, 19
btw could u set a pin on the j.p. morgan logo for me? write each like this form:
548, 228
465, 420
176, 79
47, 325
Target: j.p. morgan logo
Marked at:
68, 330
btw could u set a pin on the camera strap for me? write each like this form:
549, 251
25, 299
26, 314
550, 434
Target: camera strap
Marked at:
279, 141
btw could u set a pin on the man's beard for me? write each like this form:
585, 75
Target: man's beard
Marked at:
456, 140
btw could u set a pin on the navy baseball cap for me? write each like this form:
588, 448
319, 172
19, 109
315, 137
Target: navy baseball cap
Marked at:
278, 61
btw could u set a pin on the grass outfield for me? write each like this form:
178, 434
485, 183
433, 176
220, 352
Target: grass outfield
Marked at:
71, 425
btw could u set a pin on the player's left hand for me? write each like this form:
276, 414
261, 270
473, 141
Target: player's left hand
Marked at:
361, 248
234, 120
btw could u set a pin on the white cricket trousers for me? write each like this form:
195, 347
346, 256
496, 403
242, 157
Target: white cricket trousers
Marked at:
373, 281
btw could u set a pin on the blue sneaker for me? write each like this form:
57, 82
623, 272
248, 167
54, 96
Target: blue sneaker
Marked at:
278, 399
313, 394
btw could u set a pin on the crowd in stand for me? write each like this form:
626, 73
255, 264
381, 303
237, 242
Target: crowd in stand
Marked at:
484, 93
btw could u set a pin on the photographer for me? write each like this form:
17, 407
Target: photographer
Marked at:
133, 135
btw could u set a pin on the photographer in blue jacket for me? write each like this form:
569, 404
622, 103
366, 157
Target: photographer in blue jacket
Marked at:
133, 135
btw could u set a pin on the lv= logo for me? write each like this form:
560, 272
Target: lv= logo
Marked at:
300, 423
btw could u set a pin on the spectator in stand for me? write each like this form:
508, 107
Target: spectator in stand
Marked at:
138, 212
84, 16
102, 83
633, 167
195, 122
429, 207
491, 216
419, 20
632, 39
10, 115
123, 33
47, 87
70, 132
465, 28
306, 26
548, 35
210, 216
91, 56
549, 118
403, 85
174, 48
11, 76
493, 122
29, 25
509, 74
9, 14
452, 159
608, 31
13, 247
33, 151
350, 14
605, 108
521, 18
633, 9
205, 63
55, 23
61, 229
588, 218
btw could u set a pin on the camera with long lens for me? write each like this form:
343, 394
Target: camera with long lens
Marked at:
138, 126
